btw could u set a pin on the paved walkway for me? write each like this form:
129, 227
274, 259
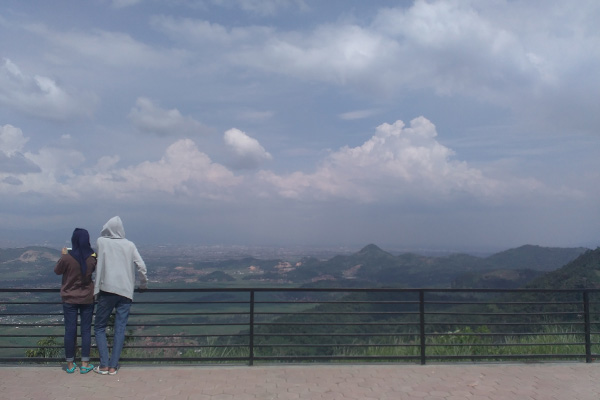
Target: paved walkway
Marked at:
557, 381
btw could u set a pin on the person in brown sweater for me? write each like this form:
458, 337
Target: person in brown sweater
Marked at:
77, 291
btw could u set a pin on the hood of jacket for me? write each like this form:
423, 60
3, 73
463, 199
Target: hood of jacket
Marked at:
113, 229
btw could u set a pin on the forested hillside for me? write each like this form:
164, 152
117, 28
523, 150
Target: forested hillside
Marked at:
583, 272
373, 267
535, 258
28, 267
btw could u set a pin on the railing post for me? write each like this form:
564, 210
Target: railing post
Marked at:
588, 329
422, 324
251, 338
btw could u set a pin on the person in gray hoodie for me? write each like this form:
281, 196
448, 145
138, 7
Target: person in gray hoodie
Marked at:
118, 261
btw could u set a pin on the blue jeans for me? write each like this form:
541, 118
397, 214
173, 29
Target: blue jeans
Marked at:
106, 303
85, 312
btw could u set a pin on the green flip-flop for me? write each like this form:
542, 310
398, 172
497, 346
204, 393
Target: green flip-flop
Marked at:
85, 370
72, 369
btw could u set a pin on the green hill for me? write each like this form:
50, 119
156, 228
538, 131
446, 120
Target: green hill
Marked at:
31, 254
583, 272
28, 266
535, 258
496, 279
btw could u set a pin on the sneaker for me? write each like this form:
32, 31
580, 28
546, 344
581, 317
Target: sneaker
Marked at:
99, 371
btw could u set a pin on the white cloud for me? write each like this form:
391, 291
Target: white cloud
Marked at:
339, 54
12, 159
57, 164
443, 46
106, 163
11, 140
397, 163
453, 47
247, 151
418, 47
148, 117
48, 172
58, 172
183, 174
42, 96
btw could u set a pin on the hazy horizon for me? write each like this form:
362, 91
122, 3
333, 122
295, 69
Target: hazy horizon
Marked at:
236, 250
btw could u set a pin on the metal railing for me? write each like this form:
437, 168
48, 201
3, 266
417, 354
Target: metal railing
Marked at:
253, 325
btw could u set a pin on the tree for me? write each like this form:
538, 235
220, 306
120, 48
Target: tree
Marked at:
47, 348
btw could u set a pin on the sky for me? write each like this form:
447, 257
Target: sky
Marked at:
450, 125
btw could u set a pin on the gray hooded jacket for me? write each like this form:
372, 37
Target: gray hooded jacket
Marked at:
118, 261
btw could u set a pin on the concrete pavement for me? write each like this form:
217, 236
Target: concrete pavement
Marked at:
551, 381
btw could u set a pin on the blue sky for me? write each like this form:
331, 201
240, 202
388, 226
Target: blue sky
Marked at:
411, 124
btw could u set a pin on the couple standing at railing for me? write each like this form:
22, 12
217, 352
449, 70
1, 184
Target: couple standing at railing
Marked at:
115, 264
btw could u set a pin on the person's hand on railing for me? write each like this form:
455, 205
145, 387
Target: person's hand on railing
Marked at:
142, 288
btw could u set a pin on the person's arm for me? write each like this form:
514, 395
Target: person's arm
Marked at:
93, 261
141, 269
60, 267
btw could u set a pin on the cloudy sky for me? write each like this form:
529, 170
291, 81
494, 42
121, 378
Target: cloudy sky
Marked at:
457, 124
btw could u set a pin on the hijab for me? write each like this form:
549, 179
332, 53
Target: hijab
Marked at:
81, 249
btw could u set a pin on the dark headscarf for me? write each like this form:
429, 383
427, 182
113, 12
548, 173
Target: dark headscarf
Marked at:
81, 249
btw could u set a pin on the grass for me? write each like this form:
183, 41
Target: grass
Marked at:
465, 345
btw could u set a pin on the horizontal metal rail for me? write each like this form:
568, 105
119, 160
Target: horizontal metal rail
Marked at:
248, 325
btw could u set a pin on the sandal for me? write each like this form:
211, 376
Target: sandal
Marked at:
72, 369
112, 372
85, 370
97, 370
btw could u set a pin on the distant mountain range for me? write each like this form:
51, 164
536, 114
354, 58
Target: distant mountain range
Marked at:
372, 266
369, 267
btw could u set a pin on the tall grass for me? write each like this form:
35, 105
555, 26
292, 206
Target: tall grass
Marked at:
464, 344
